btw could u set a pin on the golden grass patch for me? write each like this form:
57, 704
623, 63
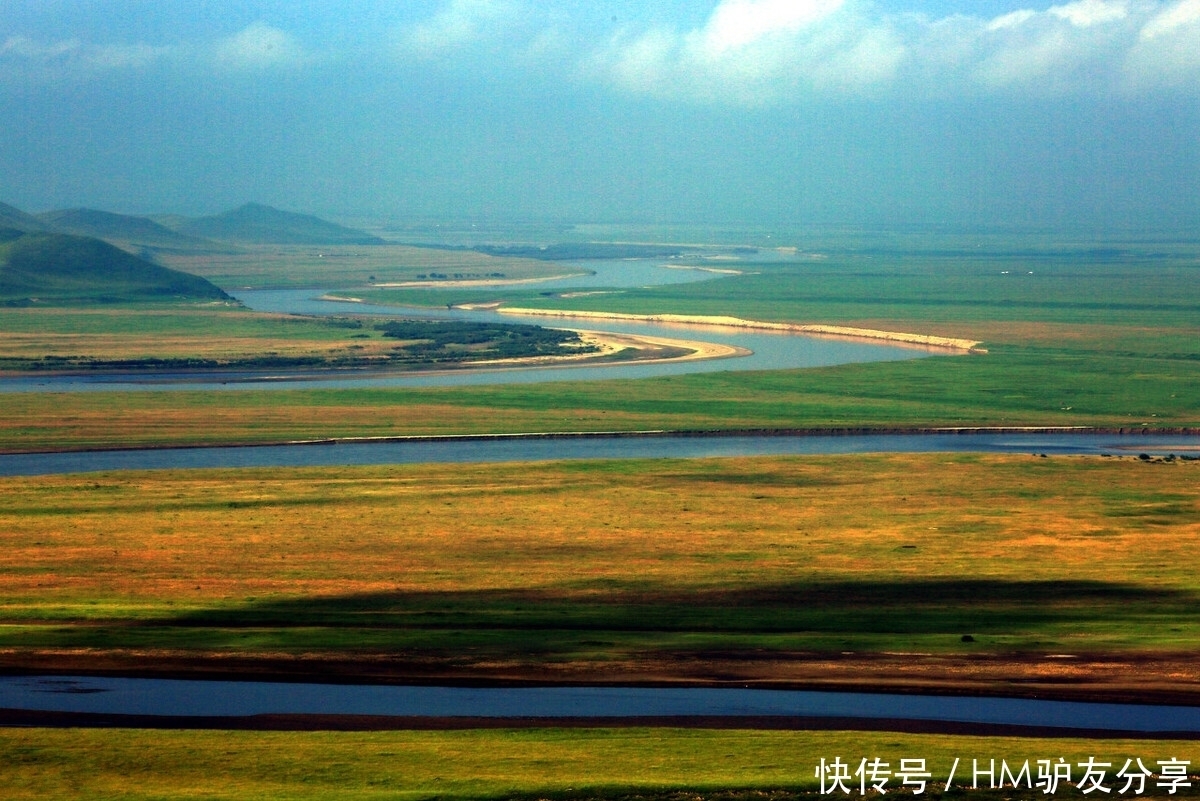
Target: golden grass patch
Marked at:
732, 523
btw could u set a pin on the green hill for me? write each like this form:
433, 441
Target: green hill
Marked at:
120, 228
258, 224
62, 268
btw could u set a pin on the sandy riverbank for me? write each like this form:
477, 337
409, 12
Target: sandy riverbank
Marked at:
605, 344
923, 340
650, 349
700, 269
472, 282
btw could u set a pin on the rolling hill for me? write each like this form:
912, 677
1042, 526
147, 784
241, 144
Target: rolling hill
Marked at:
37, 267
14, 219
119, 228
255, 223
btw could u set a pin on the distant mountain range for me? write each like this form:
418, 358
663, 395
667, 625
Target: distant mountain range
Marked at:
121, 228
14, 219
89, 256
83, 255
251, 224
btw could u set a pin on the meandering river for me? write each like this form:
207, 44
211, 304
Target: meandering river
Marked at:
767, 350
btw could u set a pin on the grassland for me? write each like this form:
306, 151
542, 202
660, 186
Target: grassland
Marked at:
57, 338
140, 340
613, 764
833, 571
763, 571
342, 266
1086, 340
1000, 389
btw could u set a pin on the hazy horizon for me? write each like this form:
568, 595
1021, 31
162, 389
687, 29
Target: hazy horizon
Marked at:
1081, 116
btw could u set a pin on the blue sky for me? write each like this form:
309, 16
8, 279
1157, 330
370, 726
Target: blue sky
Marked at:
1082, 114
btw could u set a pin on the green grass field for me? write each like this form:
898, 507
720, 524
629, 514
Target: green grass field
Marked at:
614, 764
341, 266
999, 389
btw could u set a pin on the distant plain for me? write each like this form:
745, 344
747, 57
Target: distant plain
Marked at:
1076, 335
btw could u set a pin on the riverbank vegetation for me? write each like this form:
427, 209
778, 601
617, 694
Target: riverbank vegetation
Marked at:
936, 572
202, 339
454, 342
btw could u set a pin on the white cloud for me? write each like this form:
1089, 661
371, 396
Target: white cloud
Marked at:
1184, 14
1012, 20
1167, 52
68, 56
753, 52
641, 64
26, 48
1024, 61
766, 51
756, 52
459, 23
1073, 47
743, 52
259, 46
1086, 13
1113, 47
736, 23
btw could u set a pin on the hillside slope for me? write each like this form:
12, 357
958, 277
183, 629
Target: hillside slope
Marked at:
255, 223
118, 228
62, 268
14, 219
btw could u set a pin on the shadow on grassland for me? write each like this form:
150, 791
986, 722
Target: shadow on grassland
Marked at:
981, 606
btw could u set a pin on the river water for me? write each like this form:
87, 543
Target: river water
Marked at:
768, 350
538, 448
188, 698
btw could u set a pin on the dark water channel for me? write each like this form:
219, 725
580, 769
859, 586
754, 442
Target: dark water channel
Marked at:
537, 448
171, 697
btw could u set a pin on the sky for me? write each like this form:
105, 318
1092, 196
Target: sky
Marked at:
994, 113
